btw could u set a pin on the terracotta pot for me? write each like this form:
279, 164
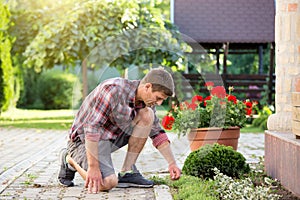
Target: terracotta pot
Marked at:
202, 136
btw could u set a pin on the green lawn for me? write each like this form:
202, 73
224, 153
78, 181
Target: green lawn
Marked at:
251, 129
62, 119
44, 119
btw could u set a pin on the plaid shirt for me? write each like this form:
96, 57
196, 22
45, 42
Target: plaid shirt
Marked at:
109, 110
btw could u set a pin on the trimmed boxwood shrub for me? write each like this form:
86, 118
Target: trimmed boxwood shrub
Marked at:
56, 89
200, 163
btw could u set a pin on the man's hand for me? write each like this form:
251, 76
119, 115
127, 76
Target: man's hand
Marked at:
166, 151
175, 172
93, 180
94, 176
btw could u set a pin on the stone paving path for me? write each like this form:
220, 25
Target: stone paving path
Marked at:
29, 165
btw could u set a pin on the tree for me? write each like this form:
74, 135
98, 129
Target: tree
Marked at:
28, 16
103, 33
6, 69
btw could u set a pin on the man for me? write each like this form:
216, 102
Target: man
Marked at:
117, 112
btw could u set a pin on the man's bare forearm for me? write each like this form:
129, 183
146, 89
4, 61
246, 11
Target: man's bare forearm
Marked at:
167, 153
92, 154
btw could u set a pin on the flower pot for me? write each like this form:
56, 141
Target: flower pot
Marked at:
202, 136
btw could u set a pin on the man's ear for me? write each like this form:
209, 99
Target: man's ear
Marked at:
148, 85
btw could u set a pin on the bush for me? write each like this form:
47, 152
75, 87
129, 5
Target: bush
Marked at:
56, 89
200, 163
262, 119
29, 97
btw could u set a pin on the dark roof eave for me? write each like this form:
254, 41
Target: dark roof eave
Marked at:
215, 45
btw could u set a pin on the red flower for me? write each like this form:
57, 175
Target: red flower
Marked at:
206, 99
197, 99
193, 106
218, 91
184, 105
209, 84
248, 104
248, 108
231, 98
167, 122
248, 111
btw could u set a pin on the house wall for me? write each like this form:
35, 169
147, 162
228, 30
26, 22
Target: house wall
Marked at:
287, 41
282, 148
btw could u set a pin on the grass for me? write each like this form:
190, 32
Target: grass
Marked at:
42, 119
62, 119
189, 187
19, 114
251, 129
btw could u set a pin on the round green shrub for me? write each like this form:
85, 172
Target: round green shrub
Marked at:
200, 163
56, 89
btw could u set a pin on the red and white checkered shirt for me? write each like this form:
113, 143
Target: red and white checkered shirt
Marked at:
109, 110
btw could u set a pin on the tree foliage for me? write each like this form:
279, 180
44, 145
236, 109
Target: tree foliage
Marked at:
100, 32
249, 63
27, 17
6, 69
105, 31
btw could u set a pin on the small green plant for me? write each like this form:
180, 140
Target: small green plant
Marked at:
228, 188
262, 119
159, 180
257, 173
29, 179
200, 163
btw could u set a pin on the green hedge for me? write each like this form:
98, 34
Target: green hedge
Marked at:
29, 97
56, 89
6, 69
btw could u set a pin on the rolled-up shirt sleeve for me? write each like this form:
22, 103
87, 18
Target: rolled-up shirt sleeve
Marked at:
157, 134
159, 139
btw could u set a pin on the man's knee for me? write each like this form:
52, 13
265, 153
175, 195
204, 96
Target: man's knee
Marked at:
145, 117
110, 182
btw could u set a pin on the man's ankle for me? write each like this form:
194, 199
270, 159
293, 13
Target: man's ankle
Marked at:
122, 173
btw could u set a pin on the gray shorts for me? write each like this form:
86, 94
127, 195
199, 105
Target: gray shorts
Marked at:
77, 151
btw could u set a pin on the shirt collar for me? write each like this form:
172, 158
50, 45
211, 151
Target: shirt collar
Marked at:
132, 95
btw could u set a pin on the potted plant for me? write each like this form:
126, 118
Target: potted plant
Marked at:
215, 118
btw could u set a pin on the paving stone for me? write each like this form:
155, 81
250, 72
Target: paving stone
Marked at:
41, 149
162, 192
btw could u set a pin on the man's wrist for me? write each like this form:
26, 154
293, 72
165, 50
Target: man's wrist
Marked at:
93, 166
172, 163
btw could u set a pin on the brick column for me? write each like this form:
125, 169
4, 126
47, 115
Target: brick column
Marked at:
287, 41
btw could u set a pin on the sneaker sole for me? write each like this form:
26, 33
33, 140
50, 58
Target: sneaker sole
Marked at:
72, 185
127, 185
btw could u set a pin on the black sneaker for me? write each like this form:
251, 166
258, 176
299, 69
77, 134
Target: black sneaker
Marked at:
134, 179
66, 175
